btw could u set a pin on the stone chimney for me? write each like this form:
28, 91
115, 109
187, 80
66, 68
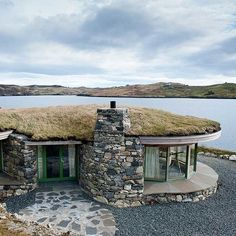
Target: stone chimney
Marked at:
118, 159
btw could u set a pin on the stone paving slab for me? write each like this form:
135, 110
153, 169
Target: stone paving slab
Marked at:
68, 210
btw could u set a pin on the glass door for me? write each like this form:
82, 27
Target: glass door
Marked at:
56, 162
53, 162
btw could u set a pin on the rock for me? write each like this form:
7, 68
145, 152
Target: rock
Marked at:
132, 195
127, 187
129, 159
232, 158
139, 170
136, 204
126, 164
49, 226
129, 143
107, 155
101, 199
121, 204
179, 198
187, 200
19, 192
195, 199
171, 198
162, 199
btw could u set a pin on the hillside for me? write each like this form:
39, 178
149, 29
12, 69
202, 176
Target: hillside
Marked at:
226, 90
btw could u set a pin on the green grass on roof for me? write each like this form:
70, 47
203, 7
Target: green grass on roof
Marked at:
78, 122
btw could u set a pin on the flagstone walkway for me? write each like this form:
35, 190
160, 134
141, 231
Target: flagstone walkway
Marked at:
67, 210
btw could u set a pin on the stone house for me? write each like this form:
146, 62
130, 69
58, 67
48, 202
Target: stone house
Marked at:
116, 167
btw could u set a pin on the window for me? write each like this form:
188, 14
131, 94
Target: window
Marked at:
155, 164
177, 162
193, 156
169, 163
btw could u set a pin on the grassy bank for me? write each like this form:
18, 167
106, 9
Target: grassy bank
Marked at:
215, 151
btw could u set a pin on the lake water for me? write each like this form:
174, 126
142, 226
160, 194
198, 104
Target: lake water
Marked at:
221, 110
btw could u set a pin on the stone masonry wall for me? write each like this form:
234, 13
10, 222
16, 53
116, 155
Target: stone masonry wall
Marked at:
179, 197
112, 169
19, 162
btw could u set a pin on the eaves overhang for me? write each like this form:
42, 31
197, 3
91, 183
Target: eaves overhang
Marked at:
5, 134
179, 140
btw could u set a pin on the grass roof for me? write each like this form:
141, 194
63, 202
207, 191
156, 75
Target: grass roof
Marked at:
78, 122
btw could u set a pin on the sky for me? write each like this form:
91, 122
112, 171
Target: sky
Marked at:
117, 42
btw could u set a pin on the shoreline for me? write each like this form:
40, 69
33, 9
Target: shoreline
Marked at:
216, 153
108, 96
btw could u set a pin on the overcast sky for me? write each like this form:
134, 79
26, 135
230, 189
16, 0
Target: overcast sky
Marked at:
117, 42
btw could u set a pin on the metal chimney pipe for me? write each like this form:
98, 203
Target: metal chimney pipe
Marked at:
112, 104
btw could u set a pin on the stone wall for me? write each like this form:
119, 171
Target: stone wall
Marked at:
112, 169
180, 197
19, 162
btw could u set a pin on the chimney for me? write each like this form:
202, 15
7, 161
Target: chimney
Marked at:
112, 104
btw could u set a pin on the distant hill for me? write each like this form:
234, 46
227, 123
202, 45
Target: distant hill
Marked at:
175, 90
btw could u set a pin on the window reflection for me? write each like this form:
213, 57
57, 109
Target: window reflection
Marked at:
169, 163
177, 162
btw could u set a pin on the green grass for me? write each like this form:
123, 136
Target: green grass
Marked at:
216, 151
78, 122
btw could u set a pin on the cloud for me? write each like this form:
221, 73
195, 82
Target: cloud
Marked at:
6, 4
153, 40
218, 58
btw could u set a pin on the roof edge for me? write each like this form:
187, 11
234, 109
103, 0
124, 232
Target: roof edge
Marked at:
5, 134
176, 140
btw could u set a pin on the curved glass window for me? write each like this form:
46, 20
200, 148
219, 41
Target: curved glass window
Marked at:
169, 163
177, 162
155, 164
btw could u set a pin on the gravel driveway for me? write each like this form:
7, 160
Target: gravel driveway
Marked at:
214, 216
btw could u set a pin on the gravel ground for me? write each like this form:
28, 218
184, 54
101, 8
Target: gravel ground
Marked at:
15, 204
214, 216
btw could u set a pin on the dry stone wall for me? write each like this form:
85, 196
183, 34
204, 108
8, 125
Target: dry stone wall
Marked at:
179, 197
19, 162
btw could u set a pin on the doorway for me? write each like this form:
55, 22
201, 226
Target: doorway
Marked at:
56, 162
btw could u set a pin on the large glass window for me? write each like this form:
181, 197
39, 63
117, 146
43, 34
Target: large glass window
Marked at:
155, 164
169, 163
177, 162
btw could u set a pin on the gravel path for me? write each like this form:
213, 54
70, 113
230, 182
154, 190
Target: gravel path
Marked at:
214, 216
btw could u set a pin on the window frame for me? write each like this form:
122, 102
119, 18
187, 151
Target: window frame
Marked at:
187, 165
44, 164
